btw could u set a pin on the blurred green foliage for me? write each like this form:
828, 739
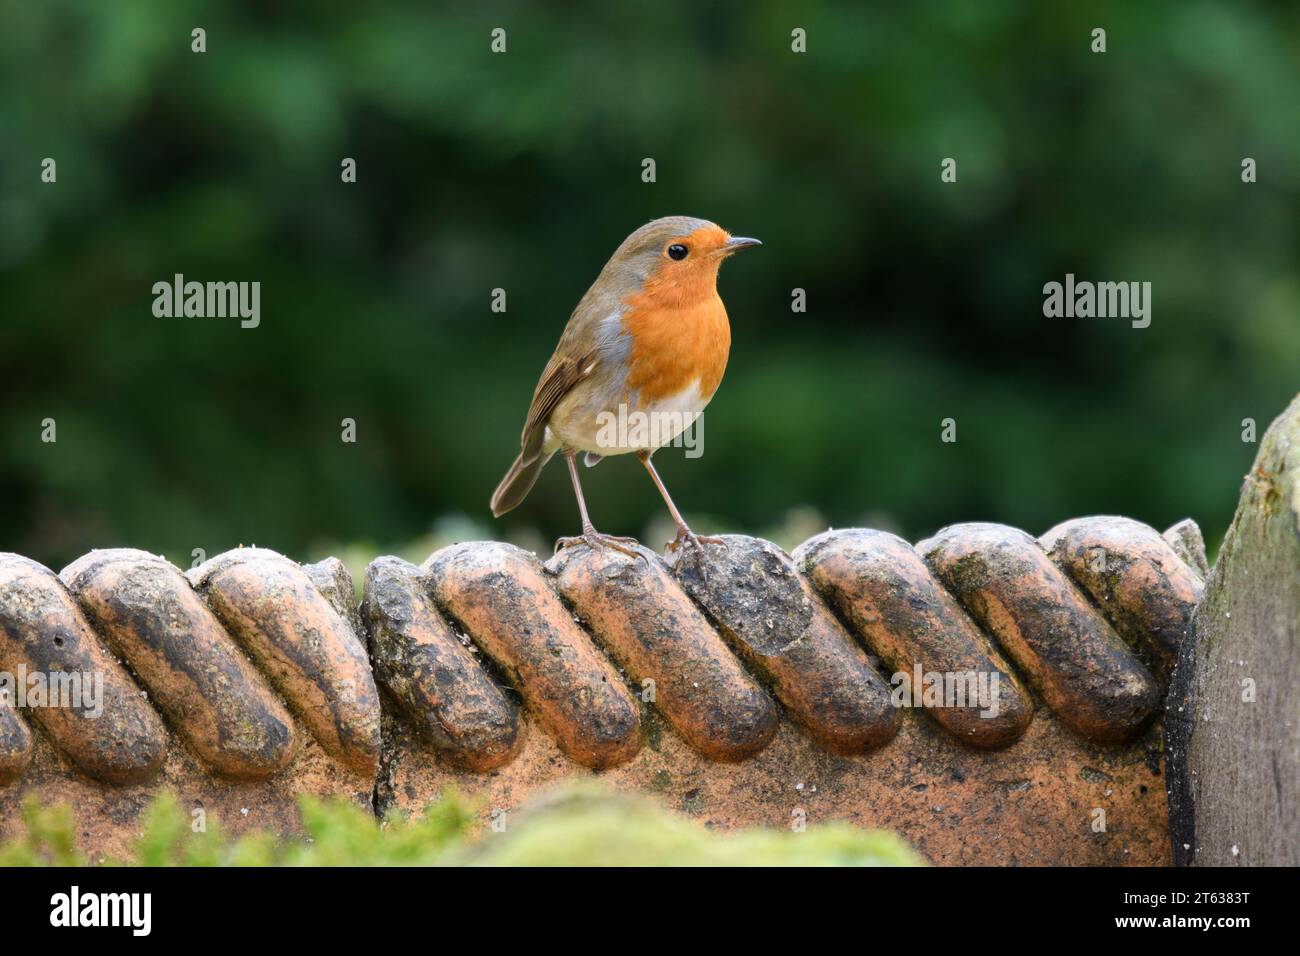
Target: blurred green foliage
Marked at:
522, 171
581, 825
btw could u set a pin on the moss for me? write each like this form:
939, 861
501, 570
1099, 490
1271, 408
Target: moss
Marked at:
586, 827
49, 839
582, 826
968, 573
651, 727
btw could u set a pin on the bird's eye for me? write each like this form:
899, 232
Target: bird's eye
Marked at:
677, 251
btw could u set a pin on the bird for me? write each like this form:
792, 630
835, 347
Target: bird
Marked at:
649, 341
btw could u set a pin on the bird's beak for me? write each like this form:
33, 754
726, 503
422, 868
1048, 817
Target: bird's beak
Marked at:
736, 243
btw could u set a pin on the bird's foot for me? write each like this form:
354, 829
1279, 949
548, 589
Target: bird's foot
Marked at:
685, 536
597, 542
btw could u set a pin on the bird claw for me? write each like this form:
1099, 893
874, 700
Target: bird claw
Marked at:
675, 551
598, 542
687, 536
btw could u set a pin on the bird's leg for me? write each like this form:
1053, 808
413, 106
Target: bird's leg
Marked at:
590, 536
684, 533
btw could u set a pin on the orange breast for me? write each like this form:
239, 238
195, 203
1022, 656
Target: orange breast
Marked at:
677, 340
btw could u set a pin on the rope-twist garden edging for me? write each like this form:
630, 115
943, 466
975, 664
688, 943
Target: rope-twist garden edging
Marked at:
244, 663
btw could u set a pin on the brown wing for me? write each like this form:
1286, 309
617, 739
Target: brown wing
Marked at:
557, 380
577, 355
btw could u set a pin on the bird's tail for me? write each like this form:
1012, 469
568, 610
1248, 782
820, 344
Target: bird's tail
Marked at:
519, 480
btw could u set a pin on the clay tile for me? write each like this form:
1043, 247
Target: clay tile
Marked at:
310, 651
146, 611
118, 738
15, 744
501, 596
434, 679
1136, 578
1048, 627
771, 615
668, 649
884, 590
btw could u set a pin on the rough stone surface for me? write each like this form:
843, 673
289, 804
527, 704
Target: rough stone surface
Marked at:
1131, 571
146, 611
1065, 647
332, 580
1186, 540
430, 675
772, 617
232, 757
15, 744
309, 650
886, 592
503, 597
42, 632
667, 650
1034, 802
480, 675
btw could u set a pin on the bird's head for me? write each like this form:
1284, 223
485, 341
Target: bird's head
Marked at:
677, 255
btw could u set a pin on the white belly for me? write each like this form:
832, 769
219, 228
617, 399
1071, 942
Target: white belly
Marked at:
621, 427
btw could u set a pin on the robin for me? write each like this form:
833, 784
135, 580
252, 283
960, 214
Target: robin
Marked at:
648, 342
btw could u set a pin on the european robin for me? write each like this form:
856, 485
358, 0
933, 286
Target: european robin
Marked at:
648, 342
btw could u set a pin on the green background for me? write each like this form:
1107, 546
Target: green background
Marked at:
522, 171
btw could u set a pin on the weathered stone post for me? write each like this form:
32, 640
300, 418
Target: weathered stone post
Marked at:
1233, 721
